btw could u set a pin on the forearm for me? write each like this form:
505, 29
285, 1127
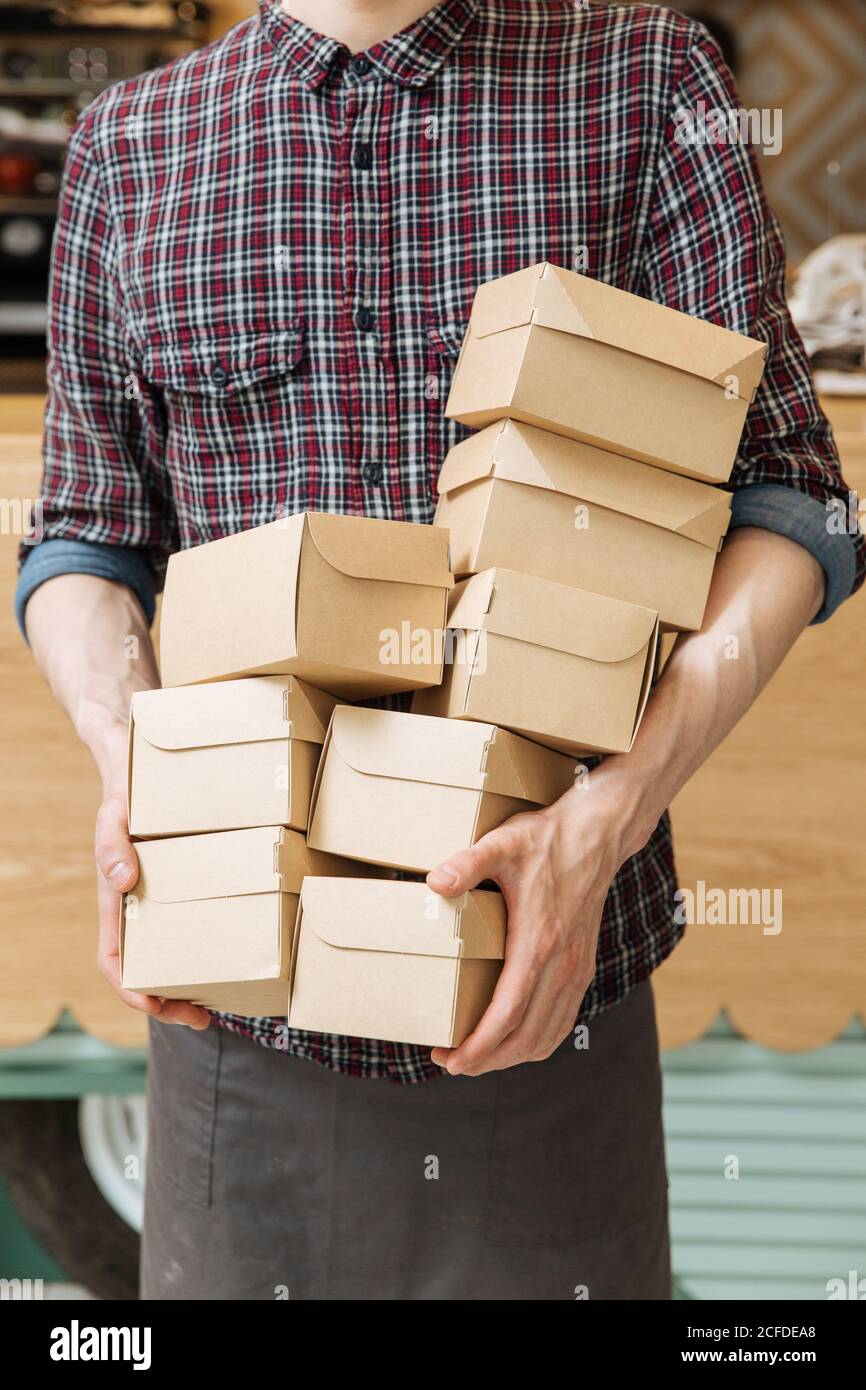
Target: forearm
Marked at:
90, 639
765, 590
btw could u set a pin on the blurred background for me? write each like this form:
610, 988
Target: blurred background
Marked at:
763, 1036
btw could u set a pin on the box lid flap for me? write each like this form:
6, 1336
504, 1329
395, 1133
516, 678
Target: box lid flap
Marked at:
518, 767
376, 915
482, 926
242, 711
547, 614
550, 297
201, 946
367, 548
411, 747
296, 860
230, 863
449, 752
523, 454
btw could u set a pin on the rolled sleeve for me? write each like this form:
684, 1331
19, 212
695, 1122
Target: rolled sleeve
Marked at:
104, 480
803, 519
714, 249
56, 557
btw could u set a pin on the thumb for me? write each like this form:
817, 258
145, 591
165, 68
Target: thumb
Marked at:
468, 867
115, 856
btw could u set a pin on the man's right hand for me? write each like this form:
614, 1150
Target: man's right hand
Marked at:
91, 639
117, 866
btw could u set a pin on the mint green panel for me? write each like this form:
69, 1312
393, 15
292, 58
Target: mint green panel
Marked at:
767, 1164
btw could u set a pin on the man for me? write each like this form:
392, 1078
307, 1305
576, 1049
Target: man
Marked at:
265, 259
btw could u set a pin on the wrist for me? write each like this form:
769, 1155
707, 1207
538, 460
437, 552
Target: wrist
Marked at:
619, 805
108, 741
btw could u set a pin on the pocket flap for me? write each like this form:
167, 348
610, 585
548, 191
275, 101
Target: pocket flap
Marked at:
221, 363
447, 337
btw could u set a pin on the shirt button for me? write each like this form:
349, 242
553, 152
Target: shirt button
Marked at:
360, 65
364, 157
372, 472
218, 375
365, 319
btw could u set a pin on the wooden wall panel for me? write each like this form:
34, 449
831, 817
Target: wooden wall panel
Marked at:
780, 804
50, 796
807, 60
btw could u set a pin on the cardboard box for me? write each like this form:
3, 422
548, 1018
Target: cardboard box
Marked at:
530, 500
568, 353
212, 917
354, 606
225, 756
395, 961
566, 667
406, 791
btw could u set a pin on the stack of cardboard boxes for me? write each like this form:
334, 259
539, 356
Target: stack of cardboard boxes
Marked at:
244, 901
583, 508
271, 814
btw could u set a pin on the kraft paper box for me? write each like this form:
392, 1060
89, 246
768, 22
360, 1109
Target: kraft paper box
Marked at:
529, 500
350, 604
560, 350
225, 756
405, 791
566, 667
395, 961
212, 917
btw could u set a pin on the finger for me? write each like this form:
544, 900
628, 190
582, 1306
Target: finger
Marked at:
546, 1023
527, 995
115, 857
556, 1023
108, 956
165, 1010
468, 867
108, 937
181, 1011
510, 997
504, 1013
117, 866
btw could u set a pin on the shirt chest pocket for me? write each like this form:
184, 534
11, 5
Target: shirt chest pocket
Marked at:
229, 411
219, 389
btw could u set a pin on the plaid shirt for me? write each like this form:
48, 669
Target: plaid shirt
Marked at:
264, 263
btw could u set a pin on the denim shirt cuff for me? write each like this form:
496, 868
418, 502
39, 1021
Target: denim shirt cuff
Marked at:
55, 557
802, 518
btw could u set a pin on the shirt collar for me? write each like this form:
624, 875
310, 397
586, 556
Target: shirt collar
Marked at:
410, 58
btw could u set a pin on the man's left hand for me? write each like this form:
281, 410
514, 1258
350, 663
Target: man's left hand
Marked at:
554, 868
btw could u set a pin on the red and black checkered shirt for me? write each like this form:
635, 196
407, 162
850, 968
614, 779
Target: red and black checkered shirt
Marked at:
264, 263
